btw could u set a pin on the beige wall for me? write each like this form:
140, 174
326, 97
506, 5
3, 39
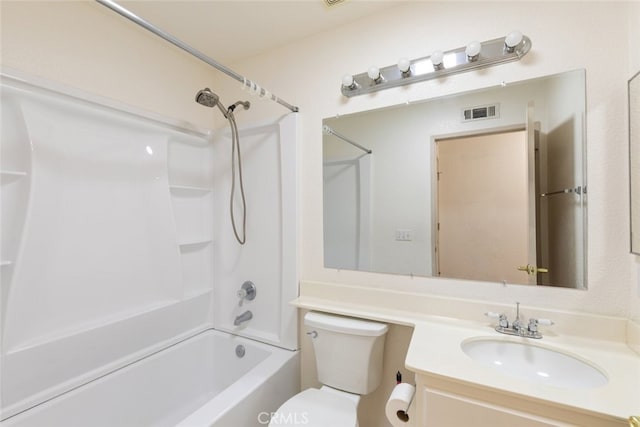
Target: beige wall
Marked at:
87, 46
308, 73
84, 45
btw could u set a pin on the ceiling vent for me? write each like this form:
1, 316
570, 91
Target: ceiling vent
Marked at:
481, 112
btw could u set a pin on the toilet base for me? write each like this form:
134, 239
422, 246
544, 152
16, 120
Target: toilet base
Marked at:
318, 408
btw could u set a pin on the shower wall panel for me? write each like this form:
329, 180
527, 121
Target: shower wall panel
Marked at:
269, 256
106, 238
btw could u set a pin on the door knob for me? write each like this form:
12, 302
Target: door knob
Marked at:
530, 269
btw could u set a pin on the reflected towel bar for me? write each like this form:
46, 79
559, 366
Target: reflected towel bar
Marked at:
577, 190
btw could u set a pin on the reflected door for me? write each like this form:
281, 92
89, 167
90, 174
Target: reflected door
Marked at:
483, 208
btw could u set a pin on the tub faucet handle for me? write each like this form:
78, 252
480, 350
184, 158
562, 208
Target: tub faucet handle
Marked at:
247, 292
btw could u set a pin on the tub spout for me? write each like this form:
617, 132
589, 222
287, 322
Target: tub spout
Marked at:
244, 317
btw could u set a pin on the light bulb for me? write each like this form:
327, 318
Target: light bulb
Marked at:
436, 59
374, 73
513, 39
347, 81
473, 50
404, 65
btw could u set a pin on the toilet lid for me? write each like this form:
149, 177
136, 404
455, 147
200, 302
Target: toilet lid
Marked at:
316, 408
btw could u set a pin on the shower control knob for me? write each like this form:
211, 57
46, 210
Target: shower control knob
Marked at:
248, 291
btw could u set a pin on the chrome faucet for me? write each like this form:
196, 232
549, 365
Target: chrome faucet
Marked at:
244, 317
517, 327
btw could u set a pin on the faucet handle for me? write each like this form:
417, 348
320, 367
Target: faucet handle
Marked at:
533, 324
247, 291
502, 318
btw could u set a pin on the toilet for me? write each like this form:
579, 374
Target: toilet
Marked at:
349, 363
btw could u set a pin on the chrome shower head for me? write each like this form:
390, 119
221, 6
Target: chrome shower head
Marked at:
207, 98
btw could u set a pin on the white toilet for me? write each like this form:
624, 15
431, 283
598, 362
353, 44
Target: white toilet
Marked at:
349, 362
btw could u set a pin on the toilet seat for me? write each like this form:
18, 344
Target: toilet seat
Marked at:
316, 408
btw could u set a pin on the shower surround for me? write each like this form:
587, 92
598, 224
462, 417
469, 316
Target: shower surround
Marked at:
116, 243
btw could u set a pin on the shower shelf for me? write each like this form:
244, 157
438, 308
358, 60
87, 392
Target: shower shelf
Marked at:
5, 263
195, 241
10, 176
189, 190
195, 293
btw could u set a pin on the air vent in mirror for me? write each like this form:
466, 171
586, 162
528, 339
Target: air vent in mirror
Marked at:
481, 112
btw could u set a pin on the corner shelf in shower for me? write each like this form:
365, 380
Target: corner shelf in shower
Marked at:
10, 176
195, 241
198, 292
188, 190
4, 263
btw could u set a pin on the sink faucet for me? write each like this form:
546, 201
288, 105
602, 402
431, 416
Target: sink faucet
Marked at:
517, 327
517, 324
244, 317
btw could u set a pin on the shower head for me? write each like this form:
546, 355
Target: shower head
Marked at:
209, 99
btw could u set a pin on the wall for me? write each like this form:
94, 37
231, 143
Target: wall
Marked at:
559, 45
634, 67
89, 47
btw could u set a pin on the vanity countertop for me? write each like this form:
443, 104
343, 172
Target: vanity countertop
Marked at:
435, 351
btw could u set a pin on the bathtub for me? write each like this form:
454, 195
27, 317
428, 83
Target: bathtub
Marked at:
197, 382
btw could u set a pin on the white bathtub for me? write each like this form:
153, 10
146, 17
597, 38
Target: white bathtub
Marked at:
197, 382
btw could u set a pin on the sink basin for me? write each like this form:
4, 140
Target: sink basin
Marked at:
534, 363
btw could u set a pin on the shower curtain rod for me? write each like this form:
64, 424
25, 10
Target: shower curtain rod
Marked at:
201, 56
330, 131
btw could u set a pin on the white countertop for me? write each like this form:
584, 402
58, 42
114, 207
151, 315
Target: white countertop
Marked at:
435, 350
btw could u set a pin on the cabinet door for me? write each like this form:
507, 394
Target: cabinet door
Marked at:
443, 409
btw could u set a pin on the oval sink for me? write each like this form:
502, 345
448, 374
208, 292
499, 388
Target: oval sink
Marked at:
534, 363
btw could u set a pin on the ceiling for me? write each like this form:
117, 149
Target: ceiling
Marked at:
232, 30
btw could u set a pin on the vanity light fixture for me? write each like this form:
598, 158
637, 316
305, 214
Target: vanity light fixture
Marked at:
404, 65
348, 82
475, 55
436, 59
512, 41
374, 74
473, 51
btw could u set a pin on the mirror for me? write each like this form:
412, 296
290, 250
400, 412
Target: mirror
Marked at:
484, 185
634, 160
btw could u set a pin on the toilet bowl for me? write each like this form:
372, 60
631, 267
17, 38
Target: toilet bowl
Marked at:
324, 407
349, 364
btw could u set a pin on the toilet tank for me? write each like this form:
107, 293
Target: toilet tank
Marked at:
348, 351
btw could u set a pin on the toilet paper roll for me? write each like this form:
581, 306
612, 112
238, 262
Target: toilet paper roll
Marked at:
397, 408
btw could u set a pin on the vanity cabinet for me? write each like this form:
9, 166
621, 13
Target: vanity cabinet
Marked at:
443, 403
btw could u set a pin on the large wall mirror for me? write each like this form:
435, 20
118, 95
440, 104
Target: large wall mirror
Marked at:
484, 185
634, 160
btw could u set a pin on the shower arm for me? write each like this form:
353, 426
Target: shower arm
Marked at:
201, 56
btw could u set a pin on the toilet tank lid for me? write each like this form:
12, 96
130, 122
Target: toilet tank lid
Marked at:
345, 325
